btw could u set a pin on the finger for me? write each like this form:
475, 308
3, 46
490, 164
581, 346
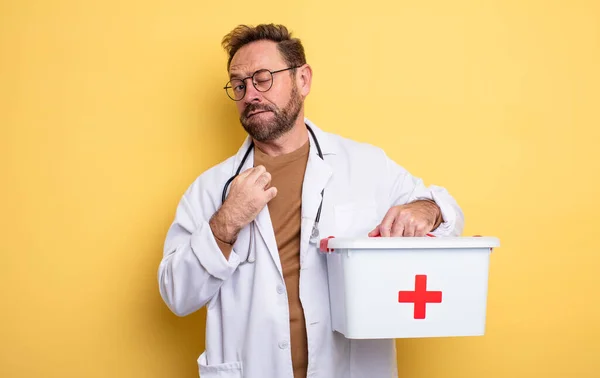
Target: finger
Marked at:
256, 172
249, 171
398, 228
386, 224
271, 193
384, 231
409, 229
374, 232
421, 230
263, 180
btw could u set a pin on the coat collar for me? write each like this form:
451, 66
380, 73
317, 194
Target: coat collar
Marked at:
327, 147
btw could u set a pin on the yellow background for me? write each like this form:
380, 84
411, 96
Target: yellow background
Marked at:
110, 109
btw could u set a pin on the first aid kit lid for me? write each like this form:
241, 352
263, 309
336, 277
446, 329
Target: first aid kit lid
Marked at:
425, 242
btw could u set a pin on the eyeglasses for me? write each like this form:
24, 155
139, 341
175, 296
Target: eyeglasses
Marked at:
261, 79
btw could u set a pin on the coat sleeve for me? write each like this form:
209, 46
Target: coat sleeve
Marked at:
407, 188
193, 268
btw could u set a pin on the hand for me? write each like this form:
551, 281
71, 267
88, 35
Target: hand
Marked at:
412, 219
248, 195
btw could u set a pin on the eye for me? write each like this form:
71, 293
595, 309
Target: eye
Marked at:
239, 88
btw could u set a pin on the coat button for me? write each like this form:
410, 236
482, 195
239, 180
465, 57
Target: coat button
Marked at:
283, 345
280, 289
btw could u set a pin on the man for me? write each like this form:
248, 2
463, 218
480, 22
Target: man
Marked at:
244, 247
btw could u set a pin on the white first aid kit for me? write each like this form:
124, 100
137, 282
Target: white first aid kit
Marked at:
408, 287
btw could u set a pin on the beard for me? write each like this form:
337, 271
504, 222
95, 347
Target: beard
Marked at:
282, 122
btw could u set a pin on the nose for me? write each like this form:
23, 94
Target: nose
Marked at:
252, 95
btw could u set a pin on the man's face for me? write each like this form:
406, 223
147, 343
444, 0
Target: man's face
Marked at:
266, 115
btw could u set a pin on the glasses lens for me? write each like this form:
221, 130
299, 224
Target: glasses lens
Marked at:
263, 80
236, 89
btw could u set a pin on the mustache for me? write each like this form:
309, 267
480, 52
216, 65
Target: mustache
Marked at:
257, 107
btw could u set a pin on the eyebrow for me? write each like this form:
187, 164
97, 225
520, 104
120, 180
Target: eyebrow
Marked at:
238, 75
243, 75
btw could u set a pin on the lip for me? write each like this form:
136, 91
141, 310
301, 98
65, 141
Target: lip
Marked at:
258, 112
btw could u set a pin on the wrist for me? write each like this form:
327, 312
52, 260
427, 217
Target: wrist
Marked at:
223, 227
437, 212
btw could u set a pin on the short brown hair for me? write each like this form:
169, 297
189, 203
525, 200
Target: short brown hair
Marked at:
290, 48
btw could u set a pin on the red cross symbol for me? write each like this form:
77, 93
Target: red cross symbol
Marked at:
420, 297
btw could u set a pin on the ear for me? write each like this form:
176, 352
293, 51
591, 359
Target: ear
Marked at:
304, 79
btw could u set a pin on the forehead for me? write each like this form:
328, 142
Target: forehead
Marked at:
255, 56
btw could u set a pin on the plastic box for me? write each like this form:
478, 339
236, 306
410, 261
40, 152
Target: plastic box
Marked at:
408, 287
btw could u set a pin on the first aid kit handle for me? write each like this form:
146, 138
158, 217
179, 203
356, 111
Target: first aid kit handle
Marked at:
324, 247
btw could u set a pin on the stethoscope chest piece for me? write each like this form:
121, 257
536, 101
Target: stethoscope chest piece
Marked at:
314, 235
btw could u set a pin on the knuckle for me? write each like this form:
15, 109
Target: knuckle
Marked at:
405, 215
403, 221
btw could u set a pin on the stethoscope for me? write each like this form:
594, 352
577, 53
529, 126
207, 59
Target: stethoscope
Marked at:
314, 235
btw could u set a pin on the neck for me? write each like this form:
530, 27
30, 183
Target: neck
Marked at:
288, 142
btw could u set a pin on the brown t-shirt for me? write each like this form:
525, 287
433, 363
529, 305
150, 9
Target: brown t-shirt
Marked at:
287, 175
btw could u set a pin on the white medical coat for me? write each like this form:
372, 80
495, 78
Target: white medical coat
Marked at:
247, 324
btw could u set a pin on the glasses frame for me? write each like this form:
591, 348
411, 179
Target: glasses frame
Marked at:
228, 85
